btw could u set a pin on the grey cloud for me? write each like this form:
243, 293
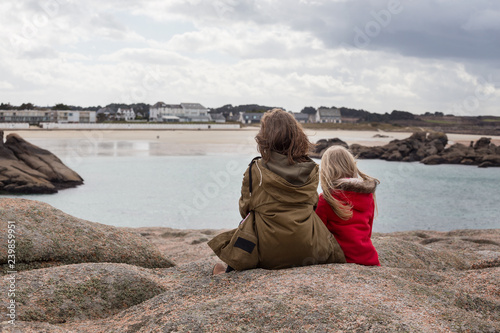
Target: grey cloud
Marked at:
424, 28
147, 56
107, 25
39, 52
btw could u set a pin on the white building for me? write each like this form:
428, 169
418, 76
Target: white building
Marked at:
36, 117
250, 117
27, 116
328, 115
70, 116
125, 114
184, 112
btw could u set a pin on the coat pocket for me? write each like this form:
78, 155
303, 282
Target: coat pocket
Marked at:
238, 247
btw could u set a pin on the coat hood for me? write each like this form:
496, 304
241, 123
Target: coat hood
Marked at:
356, 185
356, 192
286, 183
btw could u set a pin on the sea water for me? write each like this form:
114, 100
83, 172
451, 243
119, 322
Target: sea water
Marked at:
195, 192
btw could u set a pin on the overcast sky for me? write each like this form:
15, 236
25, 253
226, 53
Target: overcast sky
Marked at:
379, 55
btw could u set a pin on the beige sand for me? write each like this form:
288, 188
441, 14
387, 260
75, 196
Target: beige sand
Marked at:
173, 142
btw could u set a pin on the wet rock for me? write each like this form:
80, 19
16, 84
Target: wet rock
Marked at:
489, 161
393, 156
433, 160
467, 161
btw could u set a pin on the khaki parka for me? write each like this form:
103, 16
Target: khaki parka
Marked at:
281, 221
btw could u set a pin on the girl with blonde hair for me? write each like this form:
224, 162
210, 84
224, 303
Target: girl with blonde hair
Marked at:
347, 205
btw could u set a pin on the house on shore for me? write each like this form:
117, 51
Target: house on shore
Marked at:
35, 117
106, 114
184, 112
328, 115
233, 117
250, 117
218, 117
302, 118
125, 114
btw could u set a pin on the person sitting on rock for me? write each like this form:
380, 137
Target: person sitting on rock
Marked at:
347, 205
280, 228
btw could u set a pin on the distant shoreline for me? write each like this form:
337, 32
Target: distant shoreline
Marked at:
243, 136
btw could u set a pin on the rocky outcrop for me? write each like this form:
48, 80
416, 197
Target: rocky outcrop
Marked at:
481, 153
323, 145
429, 281
415, 148
82, 291
46, 237
26, 168
427, 148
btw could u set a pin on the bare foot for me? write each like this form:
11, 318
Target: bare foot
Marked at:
218, 269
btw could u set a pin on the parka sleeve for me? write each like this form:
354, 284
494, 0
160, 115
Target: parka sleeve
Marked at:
244, 202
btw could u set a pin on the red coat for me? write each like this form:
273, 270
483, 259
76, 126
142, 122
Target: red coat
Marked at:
353, 235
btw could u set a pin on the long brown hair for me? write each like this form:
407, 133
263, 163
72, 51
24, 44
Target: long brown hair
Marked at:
281, 133
337, 164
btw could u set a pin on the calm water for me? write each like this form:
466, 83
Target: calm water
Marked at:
137, 189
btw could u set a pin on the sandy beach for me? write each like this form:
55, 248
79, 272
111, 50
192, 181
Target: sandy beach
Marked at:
183, 142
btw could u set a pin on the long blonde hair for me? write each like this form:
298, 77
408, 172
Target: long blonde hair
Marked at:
337, 164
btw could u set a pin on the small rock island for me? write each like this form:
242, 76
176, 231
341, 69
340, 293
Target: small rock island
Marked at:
428, 148
28, 169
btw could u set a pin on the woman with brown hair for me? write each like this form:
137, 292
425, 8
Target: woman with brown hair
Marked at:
280, 228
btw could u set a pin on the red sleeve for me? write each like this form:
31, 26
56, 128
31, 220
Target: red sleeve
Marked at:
372, 217
323, 210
